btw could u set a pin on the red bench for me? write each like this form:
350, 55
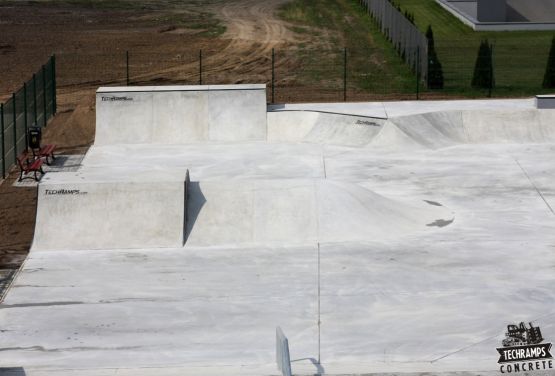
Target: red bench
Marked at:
26, 166
46, 152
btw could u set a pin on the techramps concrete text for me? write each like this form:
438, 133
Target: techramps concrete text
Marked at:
381, 237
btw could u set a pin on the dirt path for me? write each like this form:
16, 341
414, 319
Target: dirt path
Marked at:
254, 21
253, 29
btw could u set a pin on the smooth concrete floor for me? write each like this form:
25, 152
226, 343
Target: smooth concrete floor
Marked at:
434, 298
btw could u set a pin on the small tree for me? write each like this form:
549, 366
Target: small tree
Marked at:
430, 37
483, 69
549, 76
435, 69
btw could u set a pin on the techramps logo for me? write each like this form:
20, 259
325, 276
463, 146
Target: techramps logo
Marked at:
523, 350
114, 98
63, 192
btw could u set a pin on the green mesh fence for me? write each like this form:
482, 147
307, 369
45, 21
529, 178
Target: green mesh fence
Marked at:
32, 105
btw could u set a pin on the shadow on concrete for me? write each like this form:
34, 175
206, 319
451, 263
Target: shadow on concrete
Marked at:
319, 369
195, 202
12, 371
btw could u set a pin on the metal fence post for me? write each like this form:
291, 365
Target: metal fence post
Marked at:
200, 67
273, 75
44, 94
127, 67
345, 75
417, 72
14, 112
35, 98
25, 113
3, 142
54, 102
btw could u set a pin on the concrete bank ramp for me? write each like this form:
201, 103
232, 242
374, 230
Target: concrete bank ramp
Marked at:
433, 130
299, 212
443, 129
322, 128
180, 114
113, 209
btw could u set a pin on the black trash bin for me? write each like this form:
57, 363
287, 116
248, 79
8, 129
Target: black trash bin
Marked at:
34, 137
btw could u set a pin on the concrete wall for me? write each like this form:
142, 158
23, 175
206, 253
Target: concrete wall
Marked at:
180, 114
111, 209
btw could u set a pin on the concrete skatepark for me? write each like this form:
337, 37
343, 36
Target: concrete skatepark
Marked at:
381, 237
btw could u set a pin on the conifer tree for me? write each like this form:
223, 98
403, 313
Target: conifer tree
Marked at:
483, 69
549, 76
435, 69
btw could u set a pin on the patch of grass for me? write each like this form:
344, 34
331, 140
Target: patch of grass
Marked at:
373, 66
519, 57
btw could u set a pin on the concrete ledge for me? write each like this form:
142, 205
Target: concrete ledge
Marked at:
545, 101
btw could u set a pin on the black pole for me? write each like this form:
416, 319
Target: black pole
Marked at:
345, 75
25, 113
3, 142
127, 67
44, 93
200, 67
54, 102
417, 72
35, 99
273, 75
14, 113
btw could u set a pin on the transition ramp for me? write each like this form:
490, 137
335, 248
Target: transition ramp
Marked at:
180, 114
111, 209
300, 211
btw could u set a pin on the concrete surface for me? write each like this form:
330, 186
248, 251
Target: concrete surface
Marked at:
414, 241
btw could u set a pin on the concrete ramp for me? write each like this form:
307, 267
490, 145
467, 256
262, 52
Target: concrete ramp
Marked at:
300, 212
180, 114
111, 210
438, 130
322, 128
432, 130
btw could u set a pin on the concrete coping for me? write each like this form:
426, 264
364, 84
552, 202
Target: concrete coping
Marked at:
128, 89
110, 175
545, 102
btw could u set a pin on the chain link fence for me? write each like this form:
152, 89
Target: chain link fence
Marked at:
314, 75
32, 105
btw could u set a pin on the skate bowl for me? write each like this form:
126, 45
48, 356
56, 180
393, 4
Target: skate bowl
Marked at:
381, 237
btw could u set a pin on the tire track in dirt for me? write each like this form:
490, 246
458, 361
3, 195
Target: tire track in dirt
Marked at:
252, 31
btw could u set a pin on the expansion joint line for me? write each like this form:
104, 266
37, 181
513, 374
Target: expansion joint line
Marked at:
319, 321
324, 165
535, 187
